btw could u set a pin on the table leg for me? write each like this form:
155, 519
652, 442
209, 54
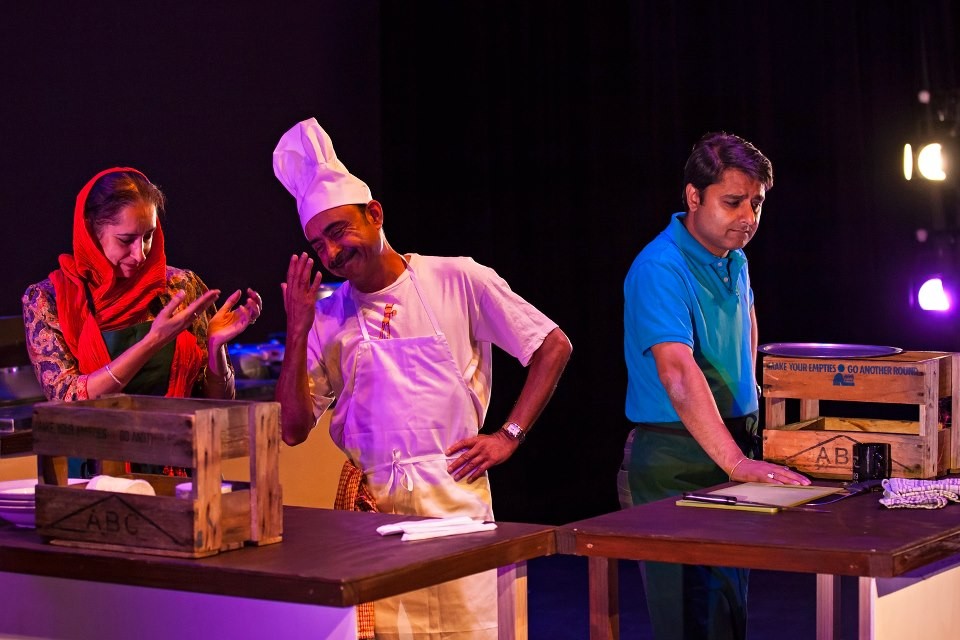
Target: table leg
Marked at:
604, 598
828, 606
865, 608
512, 601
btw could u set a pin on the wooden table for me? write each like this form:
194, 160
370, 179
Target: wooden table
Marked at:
328, 562
857, 537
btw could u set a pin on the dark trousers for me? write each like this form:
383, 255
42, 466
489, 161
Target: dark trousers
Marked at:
685, 602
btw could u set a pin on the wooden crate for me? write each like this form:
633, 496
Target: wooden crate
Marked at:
182, 432
823, 446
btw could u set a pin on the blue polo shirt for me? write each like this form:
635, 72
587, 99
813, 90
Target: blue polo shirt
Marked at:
677, 291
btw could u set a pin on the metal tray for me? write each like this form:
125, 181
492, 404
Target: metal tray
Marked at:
826, 350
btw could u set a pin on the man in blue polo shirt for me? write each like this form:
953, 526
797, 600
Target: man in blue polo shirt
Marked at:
690, 345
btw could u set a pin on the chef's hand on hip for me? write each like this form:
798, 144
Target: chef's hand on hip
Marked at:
300, 294
479, 453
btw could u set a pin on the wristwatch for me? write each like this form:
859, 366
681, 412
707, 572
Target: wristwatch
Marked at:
514, 430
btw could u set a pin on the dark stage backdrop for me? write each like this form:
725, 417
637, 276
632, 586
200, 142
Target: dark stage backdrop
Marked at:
544, 140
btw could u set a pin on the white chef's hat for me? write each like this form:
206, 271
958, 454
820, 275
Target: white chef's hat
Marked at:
305, 162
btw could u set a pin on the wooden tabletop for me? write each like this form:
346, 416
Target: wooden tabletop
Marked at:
332, 558
857, 537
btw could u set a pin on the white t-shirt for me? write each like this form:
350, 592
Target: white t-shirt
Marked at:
474, 307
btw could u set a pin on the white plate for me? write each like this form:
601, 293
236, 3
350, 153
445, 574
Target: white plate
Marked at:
15, 488
22, 504
17, 507
25, 489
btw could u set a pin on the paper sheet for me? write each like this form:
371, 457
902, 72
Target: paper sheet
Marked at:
772, 497
784, 495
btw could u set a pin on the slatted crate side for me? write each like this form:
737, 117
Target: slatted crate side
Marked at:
158, 404
947, 364
266, 504
162, 525
824, 448
235, 521
97, 518
113, 434
208, 425
143, 413
852, 380
954, 393
860, 425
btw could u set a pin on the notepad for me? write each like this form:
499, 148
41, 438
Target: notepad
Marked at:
717, 505
772, 496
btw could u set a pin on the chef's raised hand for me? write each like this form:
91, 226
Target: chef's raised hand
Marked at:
479, 453
172, 320
300, 294
748, 470
229, 322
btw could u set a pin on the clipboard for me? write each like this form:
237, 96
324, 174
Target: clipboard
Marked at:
767, 498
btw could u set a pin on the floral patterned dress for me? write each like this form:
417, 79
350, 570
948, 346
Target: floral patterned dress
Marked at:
57, 368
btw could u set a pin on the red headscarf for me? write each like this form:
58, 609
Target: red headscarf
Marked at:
117, 303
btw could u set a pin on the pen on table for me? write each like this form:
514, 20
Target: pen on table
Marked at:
721, 499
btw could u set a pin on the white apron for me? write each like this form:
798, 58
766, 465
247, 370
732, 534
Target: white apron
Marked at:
407, 404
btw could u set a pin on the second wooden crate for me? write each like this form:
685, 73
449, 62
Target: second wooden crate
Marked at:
823, 446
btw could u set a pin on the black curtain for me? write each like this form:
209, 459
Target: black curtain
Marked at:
548, 141
544, 139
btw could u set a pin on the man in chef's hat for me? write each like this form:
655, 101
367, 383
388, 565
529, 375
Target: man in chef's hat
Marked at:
404, 347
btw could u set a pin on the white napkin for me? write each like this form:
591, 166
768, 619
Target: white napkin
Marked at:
435, 527
121, 485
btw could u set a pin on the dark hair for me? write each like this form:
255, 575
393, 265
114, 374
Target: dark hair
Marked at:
114, 191
718, 151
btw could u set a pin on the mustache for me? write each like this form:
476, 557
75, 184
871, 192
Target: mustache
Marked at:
342, 257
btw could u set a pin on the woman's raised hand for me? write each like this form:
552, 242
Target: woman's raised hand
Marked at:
231, 321
172, 319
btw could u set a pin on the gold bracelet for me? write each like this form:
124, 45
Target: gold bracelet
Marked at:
736, 465
115, 378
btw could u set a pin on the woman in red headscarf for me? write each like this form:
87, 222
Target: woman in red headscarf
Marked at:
116, 318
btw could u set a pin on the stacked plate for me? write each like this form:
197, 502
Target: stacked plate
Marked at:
17, 504
18, 501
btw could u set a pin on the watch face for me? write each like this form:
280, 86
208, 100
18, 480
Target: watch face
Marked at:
515, 432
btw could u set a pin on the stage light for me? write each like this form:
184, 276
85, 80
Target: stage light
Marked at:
933, 152
932, 296
930, 162
933, 161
